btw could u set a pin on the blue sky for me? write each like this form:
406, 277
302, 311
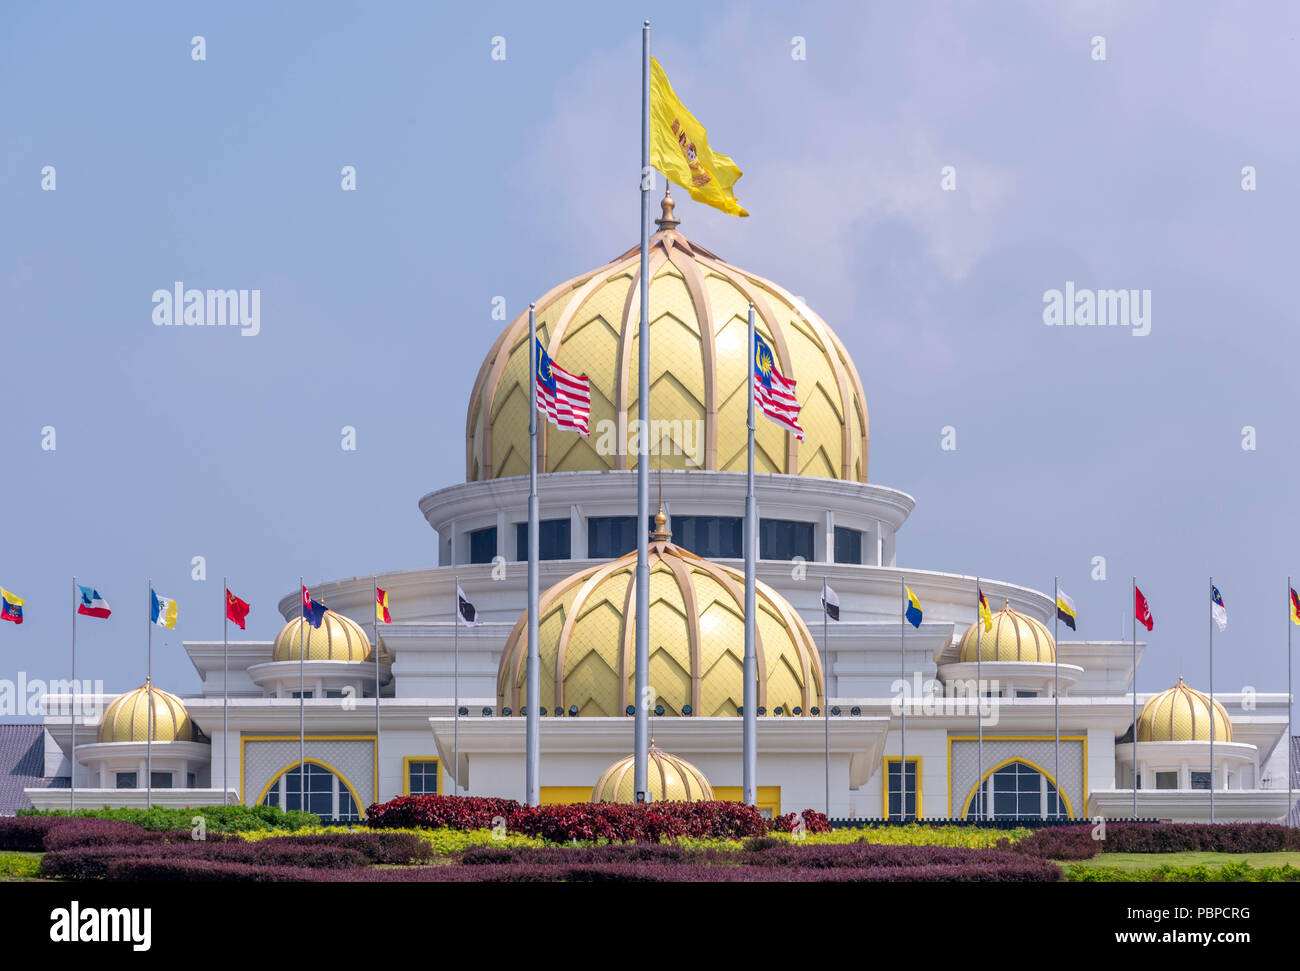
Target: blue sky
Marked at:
480, 178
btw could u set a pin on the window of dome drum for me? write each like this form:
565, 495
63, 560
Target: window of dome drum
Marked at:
784, 539
483, 545
712, 537
1016, 791
552, 540
125, 780
327, 796
609, 537
1166, 780
848, 545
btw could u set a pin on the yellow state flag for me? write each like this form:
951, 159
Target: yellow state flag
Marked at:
679, 148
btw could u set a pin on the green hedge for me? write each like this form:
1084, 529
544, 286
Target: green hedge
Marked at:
1238, 871
217, 819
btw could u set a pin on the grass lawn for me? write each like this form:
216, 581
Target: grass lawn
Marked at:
1146, 861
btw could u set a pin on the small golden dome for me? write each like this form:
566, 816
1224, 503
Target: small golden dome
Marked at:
1182, 714
586, 632
126, 719
1014, 637
668, 778
699, 306
338, 638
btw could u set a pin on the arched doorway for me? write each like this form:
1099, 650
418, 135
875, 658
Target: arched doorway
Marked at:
328, 794
1017, 789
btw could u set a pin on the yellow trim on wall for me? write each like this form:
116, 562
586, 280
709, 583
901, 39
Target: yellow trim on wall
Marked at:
769, 797
374, 755
361, 807
1022, 738
885, 789
406, 772
564, 795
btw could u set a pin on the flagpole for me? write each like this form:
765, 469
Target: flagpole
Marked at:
455, 685
641, 725
825, 712
72, 798
374, 583
749, 690
302, 688
1211, 700
1056, 691
902, 698
148, 681
225, 691
1289, 701
533, 688
980, 801
1135, 699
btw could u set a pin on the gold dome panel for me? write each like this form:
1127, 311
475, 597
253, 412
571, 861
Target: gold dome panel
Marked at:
126, 719
587, 624
1014, 637
698, 305
338, 638
668, 778
1182, 714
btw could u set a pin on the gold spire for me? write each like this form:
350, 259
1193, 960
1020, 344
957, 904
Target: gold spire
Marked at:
661, 533
667, 220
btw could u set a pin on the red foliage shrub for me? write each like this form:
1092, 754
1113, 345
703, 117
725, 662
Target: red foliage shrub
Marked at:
26, 833
181, 869
95, 862
1078, 842
77, 831
380, 847
458, 812
637, 824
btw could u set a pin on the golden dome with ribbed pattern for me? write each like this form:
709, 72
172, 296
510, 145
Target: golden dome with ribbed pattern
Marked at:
586, 628
338, 638
668, 779
698, 333
126, 719
1182, 714
1014, 637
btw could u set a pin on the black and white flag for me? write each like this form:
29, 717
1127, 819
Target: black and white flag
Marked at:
830, 602
464, 609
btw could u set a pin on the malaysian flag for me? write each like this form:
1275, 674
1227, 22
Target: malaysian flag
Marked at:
773, 393
565, 398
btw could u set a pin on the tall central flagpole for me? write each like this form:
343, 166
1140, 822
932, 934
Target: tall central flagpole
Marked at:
533, 687
1056, 690
981, 803
826, 719
225, 690
1135, 699
72, 798
902, 697
641, 702
1211, 702
374, 583
749, 690
148, 681
302, 694
455, 684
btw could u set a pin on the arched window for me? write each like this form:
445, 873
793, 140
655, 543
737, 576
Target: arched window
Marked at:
327, 795
1016, 790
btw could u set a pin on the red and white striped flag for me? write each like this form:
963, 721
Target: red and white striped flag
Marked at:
564, 397
773, 393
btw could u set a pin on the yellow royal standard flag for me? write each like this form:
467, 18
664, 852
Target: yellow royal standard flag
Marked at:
679, 148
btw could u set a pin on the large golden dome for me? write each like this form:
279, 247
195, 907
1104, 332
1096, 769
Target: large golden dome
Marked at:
1182, 714
338, 638
126, 719
668, 778
1014, 637
586, 630
698, 308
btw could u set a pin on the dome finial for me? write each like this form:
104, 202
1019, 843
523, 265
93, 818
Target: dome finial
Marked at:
667, 220
661, 533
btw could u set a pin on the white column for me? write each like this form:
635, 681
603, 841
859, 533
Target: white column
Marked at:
828, 538
577, 533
